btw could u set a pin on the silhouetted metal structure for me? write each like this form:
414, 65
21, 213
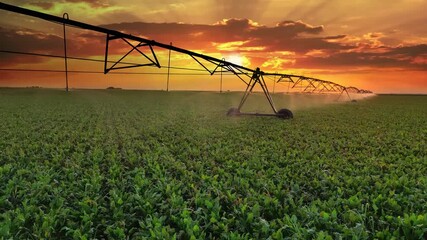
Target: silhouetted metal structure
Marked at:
65, 16
212, 65
315, 85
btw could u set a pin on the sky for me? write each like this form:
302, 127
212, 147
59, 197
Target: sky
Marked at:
378, 45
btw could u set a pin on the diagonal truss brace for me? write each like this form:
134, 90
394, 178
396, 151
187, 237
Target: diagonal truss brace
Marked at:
224, 67
153, 61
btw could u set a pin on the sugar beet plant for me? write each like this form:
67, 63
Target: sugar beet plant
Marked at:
133, 164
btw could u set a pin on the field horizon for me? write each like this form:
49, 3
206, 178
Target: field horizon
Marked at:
193, 90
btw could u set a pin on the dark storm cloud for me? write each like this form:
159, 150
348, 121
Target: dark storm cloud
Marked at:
238, 28
394, 58
290, 36
287, 29
23, 40
81, 43
279, 38
412, 51
294, 36
28, 40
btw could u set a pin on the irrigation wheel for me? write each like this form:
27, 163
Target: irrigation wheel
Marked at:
285, 113
233, 112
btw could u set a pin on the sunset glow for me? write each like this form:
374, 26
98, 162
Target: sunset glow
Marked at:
375, 45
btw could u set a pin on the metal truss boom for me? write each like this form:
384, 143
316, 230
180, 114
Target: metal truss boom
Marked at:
256, 76
114, 33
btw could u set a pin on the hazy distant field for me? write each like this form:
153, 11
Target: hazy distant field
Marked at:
138, 164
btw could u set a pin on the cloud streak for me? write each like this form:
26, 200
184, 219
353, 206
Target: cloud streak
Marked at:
247, 36
262, 45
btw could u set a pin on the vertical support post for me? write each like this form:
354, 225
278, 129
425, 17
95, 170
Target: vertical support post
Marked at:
107, 40
65, 16
220, 83
169, 63
274, 83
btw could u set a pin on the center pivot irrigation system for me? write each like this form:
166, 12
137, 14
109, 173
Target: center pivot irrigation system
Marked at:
212, 65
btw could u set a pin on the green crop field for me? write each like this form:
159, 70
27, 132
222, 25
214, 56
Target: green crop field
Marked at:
139, 164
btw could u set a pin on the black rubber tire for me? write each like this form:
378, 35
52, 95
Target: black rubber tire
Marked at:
285, 114
233, 112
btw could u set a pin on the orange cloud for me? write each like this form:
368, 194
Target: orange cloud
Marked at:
286, 44
277, 63
239, 35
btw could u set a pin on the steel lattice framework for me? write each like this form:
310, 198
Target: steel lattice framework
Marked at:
145, 48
